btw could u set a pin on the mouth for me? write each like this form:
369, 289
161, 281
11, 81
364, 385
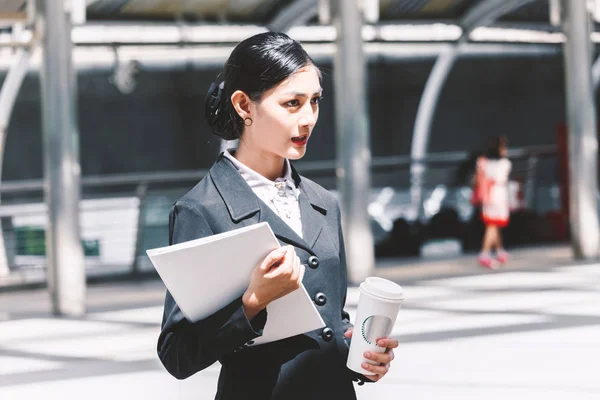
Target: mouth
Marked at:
300, 140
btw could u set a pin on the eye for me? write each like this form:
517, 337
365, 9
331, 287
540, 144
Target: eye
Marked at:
316, 99
292, 103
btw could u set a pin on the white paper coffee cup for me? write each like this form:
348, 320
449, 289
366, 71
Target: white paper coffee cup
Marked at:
378, 306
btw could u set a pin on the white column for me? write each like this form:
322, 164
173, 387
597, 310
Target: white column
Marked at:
352, 140
583, 141
66, 269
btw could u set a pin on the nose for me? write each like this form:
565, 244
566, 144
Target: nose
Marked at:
308, 117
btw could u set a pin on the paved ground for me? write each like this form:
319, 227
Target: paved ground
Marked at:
531, 331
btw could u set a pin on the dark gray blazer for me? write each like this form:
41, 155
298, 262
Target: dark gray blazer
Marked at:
310, 366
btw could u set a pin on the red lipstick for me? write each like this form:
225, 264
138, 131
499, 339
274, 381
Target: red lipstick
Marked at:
300, 141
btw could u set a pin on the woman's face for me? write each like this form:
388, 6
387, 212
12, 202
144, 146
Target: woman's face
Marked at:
283, 119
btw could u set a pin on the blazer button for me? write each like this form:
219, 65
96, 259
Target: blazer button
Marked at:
327, 334
313, 262
320, 299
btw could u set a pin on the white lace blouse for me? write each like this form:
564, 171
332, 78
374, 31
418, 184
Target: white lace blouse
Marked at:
280, 195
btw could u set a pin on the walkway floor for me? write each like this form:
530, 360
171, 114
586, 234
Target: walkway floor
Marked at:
528, 331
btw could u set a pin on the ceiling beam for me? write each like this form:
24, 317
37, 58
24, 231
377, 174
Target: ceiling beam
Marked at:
487, 12
297, 13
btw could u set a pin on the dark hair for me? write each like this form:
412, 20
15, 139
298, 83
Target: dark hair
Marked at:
495, 145
256, 65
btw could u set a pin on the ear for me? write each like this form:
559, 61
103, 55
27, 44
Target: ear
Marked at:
241, 103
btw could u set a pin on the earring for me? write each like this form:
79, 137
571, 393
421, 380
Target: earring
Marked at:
246, 121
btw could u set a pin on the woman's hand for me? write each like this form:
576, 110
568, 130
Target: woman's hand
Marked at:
384, 359
280, 273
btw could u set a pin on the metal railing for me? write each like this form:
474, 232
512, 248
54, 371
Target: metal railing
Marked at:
127, 213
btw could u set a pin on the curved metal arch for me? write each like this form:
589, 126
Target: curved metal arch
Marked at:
481, 14
8, 95
297, 13
488, 11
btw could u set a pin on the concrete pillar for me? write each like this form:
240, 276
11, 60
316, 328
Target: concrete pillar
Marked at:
66, 269
581, 118
352, 138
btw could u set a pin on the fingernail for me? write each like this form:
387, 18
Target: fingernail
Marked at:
381, 343
367, 354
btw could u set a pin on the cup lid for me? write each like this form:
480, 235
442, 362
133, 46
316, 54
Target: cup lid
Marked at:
383, 288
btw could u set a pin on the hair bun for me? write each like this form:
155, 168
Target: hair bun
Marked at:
212, 102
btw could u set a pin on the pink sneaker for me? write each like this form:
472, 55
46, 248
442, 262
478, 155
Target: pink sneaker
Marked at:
486, 262
503, 257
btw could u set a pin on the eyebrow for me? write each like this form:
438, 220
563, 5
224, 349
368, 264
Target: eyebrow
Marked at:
320, 91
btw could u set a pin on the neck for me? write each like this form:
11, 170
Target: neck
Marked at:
269, 165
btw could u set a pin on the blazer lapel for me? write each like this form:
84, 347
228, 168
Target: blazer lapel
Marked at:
281, 230
246, 208
240, 200
312, 220
312, 211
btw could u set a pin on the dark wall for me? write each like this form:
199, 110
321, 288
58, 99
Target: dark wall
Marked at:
160, 126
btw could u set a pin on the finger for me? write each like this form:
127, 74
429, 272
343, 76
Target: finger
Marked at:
382, 358
291, 249
349, 332
287, 265
290, 256
375, 369
297, 262
273, 257
281, 269
295, 269
387, 343
392, 354
302, 271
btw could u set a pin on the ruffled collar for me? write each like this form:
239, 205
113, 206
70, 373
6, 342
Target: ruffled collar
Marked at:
280, 187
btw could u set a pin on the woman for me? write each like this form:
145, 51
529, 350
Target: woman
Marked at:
269, 99
493, 171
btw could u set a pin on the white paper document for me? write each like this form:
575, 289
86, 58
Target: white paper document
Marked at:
205, 275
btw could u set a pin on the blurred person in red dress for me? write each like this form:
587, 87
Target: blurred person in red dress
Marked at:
491, 193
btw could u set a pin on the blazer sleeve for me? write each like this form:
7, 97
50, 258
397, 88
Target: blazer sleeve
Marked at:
185, 348
360, 378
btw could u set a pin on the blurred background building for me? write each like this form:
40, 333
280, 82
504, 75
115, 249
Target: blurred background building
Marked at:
143, 67
441, 77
